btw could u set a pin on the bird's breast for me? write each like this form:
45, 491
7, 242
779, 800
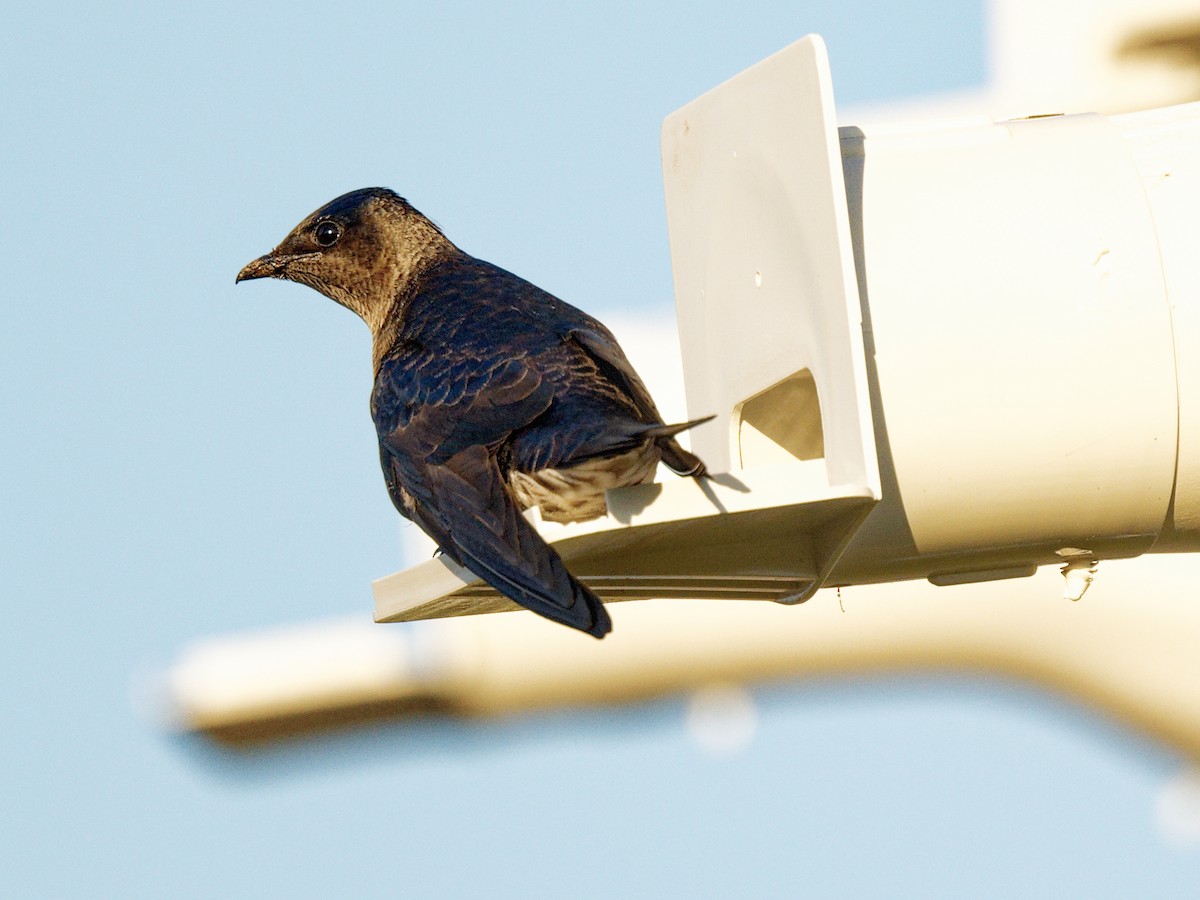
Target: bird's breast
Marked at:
576, 493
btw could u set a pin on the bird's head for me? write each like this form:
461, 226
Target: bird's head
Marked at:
361, 250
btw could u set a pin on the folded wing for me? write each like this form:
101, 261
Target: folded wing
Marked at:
440, 459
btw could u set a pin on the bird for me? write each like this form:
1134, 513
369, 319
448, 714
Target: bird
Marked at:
490, 395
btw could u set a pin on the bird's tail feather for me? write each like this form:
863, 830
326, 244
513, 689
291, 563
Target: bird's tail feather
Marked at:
678, 460
666, 431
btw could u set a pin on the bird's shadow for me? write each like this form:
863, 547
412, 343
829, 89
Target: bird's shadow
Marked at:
626, 503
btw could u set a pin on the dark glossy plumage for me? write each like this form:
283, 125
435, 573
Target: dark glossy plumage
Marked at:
489, 393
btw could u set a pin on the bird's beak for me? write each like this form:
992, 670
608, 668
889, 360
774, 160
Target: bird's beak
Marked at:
264, 267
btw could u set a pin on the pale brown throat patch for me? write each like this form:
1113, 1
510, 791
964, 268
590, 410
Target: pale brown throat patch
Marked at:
576, 494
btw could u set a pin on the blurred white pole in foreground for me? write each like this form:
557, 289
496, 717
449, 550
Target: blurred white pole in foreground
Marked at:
1128, 649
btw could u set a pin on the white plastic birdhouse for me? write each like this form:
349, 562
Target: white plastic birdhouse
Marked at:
955, 351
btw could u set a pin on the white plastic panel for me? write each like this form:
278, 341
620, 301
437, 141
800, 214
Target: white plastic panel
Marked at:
765, 283
762, 536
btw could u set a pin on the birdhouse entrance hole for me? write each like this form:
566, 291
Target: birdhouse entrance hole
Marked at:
781, 424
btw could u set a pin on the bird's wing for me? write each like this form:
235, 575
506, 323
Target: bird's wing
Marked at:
440, 405
491, 537
439, 440
598, 343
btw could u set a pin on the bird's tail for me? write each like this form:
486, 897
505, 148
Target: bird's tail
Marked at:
678, 460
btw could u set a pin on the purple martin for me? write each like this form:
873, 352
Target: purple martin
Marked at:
490, 395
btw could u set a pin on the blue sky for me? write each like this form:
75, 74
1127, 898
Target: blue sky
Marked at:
182, 458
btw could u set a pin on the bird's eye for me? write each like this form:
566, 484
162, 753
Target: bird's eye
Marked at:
327, 233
